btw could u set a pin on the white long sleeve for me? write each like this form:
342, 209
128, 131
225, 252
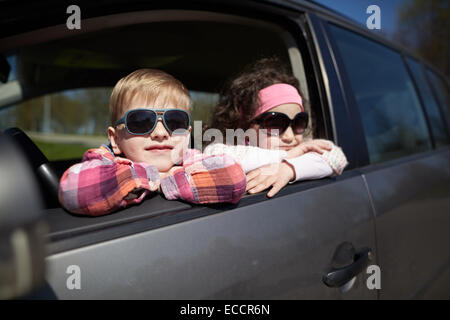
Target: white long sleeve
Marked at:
316, 166
248, 157
310, 166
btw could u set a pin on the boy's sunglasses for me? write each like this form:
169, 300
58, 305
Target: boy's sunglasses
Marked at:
272, 121
143, 121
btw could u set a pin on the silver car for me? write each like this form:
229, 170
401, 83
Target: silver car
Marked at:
378, 231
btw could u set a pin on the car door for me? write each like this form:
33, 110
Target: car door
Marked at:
407, 172
262, 249
281, 248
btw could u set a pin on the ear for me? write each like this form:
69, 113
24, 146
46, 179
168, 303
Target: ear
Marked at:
113, 138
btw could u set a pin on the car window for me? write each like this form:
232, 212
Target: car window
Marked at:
441, 90
393, 122
58, 92
434, 115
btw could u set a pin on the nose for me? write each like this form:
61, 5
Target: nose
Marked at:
288, 136
160, 132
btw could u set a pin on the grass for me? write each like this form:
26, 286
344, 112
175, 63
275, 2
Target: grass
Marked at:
61, 151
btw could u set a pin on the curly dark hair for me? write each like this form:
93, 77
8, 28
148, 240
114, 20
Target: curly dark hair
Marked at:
240, 95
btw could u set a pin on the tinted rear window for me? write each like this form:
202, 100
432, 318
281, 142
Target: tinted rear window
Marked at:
392, 118
434, 114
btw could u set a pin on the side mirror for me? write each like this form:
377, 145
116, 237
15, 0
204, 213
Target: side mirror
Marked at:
22, 226
5, 68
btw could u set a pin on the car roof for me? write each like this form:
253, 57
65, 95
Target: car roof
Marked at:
19, 16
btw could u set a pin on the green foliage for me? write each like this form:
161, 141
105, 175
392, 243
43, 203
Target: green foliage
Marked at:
60, 151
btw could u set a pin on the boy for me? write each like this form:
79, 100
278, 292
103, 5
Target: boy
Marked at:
148, 152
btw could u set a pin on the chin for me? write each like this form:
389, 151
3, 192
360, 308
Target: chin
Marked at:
163, 165
164, 168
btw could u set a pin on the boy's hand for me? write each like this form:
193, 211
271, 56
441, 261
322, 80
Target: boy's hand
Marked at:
163, 175
276, 175
168, 173
317, 145
121, 160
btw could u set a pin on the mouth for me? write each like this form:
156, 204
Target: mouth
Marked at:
159, 148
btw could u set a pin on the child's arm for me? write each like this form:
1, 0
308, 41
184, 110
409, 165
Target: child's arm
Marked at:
248, 157
103, 183
308, 166
206, 179
313, 165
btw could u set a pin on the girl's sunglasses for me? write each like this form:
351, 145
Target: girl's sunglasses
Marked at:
273, 121
143, 121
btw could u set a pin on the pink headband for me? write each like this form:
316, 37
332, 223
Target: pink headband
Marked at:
275, 95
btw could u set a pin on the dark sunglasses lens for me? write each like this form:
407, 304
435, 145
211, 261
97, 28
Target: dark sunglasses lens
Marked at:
276, 124
300, 123
176, 120
141, 121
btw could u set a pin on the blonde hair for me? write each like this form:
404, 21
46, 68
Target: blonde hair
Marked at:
150, 85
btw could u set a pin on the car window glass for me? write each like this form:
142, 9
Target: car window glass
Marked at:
442, 93
393, 122
434, 115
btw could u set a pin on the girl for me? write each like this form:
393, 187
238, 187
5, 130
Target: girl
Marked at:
266, 103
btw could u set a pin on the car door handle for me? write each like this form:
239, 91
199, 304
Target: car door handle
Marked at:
337, 277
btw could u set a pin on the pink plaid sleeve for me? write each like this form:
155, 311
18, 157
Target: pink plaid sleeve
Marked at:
206, 179
103, 183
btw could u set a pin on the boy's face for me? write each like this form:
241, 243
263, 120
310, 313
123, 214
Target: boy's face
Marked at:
158, 148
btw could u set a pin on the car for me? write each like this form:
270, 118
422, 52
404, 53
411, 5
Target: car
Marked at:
378, 231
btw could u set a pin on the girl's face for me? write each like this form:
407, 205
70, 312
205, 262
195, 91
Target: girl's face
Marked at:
287, 140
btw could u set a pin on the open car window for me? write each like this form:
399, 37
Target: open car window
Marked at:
58, 92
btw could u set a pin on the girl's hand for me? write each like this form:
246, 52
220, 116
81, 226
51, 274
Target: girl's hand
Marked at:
317, 145
276, 175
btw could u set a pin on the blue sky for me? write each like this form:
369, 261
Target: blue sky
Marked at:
356, 9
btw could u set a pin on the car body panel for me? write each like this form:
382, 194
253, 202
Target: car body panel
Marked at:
412, 204
274, 249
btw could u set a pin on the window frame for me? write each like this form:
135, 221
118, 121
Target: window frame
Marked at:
345, 114
421, 99
444, 113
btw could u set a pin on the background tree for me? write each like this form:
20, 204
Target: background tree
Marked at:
424, 26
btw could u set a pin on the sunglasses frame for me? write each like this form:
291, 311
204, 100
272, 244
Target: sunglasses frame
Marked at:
261, 118
159, 115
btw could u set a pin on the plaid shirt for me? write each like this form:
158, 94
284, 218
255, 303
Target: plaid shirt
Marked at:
103, 183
